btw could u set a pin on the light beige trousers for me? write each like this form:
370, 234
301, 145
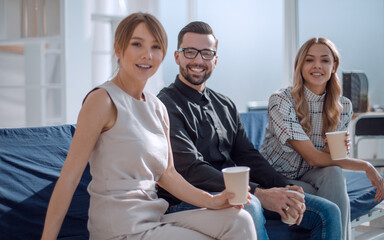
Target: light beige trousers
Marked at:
201, 224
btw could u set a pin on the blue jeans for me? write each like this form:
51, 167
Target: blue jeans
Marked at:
329, 183
322, 217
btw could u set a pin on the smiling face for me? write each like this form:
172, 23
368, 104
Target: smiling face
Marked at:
318, 66
195, 72
142, 57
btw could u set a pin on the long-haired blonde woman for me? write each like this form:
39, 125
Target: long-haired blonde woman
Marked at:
299, 117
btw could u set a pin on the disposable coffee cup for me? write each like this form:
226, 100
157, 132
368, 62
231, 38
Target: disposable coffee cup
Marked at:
336, 143
291, 220
236, 180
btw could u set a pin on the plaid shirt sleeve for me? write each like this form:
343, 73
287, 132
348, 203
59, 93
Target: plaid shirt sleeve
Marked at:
284, 121
346, 114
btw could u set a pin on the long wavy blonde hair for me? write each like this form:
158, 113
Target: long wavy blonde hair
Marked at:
332, 107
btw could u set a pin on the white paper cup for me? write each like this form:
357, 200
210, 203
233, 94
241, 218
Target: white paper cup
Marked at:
236, 180
336, 143
290, 219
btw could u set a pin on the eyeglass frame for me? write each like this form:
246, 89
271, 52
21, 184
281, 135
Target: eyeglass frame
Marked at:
198, 51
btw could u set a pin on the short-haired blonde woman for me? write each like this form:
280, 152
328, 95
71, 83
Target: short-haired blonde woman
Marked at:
123, 131
299, 116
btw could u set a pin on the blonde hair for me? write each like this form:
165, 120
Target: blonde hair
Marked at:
332, 107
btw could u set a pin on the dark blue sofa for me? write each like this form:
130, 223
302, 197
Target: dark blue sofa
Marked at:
30, 163
31, 160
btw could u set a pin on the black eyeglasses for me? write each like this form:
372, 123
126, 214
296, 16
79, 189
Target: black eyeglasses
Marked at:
191, 53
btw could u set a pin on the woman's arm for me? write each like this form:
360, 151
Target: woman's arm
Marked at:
175, 184
318, 158
97, 114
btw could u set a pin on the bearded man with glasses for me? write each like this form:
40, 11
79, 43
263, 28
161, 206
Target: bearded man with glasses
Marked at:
207, 135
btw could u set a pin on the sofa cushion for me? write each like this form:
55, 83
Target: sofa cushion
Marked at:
30, 164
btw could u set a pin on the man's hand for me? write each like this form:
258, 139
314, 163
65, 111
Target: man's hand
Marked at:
279, 200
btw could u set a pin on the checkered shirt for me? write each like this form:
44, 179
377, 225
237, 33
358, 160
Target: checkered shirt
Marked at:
283, 124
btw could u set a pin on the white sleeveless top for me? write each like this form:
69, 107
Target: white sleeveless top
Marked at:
125, 165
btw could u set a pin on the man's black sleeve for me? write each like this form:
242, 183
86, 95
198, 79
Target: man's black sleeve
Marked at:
189, 162
245, 154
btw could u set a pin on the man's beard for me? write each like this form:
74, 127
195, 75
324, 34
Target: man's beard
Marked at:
193, 80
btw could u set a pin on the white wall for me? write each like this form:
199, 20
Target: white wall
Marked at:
357, 29
77, 57
251, 44
250, 32
251, 40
